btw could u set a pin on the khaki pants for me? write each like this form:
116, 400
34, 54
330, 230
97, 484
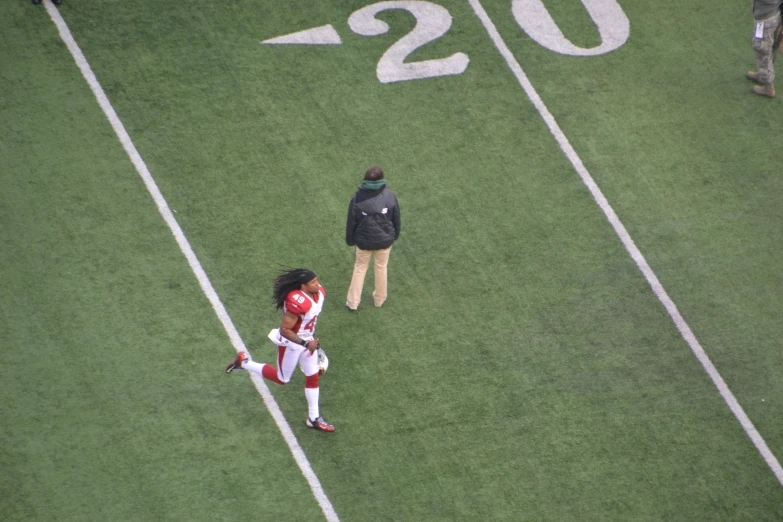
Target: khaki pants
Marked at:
360, 270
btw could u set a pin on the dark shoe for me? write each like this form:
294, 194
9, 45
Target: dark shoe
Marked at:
36, 2
319, 424
236, 364
767, 90
752, 76
57, 2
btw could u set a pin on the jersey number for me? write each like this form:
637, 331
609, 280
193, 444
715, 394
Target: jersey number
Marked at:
311, 325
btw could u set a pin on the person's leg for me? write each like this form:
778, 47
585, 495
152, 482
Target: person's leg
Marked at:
309, 364
381, 262
357, 280
764, 39
286, 361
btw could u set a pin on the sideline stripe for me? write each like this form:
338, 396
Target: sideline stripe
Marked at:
628, 243
206, 285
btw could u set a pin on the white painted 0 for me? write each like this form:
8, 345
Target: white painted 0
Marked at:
610, 19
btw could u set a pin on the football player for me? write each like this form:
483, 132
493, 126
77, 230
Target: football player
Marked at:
300, 296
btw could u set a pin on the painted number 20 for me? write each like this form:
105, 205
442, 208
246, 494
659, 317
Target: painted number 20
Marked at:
433, 21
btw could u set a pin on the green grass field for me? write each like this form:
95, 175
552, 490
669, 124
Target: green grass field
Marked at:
522, 368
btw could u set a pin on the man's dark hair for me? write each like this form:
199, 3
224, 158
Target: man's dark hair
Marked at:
289, 279
374, 173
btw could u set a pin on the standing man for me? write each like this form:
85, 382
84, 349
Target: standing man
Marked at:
373, 226
766, 42
300, 296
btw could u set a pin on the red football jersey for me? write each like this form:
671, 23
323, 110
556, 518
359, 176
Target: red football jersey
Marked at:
306, 309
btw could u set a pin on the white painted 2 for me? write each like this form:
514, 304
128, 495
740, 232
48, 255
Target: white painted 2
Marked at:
432, 22
608, 16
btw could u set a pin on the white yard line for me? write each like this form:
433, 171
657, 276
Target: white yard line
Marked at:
198, 270
632, 249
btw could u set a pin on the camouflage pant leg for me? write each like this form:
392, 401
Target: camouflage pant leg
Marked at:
767, 47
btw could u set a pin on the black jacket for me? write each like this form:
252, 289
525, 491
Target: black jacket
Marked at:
373, 219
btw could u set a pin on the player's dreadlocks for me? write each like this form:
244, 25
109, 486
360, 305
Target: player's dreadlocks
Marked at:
289, 279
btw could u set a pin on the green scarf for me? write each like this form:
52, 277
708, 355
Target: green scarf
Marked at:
373, 185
